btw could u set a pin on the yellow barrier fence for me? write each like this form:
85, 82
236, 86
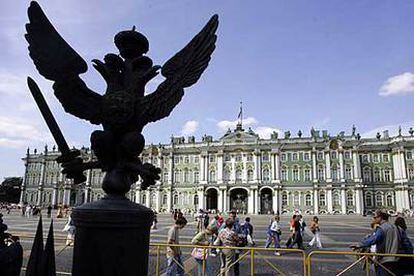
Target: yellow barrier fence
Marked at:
369, 261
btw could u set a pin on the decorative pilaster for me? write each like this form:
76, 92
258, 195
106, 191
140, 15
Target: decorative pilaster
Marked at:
341, 166
200, 194
359, 200
329, 199
250, 201
328, 166
220, 168
315, 200
314, 167
357, 166
343, 201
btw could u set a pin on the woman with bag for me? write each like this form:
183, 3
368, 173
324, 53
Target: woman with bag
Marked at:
200, 254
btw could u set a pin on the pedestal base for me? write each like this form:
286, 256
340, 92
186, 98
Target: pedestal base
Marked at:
112, 238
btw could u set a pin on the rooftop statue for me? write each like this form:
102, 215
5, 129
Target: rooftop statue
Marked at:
124, 109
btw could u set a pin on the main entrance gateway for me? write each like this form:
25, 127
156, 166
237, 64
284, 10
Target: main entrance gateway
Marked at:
238, 200
266, 203
211, 199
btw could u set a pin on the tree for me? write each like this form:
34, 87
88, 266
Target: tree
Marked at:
10, 189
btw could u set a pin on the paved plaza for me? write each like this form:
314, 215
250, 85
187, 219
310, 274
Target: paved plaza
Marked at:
338, 232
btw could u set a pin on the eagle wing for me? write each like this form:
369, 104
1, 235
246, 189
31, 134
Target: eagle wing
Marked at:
58, 62
181, 71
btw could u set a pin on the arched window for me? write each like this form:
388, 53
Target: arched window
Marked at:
175, 199
336, 199
177, 176
144, 198
186, 180
334, 172
367, 174
378, 199
212, 175
196, 177
226, 175
284, 199
238, 175
250, 175
308, 200
348, 173
307, 174
266, 175
196, 200
295, 174
349, 198
284, 174
321, 173
411, 172
322, 201
387, 175
368, 199
389, 200
164, 199
296, 200
377, 175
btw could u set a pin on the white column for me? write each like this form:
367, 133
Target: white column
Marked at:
357, 166
157, 200
403, 167
257, 202
220, 200
219, 168
329, 200
206, 170
250, 202
55, 195
66, 195
328, 166
257, 167
315, 201
359, 201
314, 168
343, 201
277, 167
147, 198
275, 201
171, 171
341, 166
200, 194
202, 171
233, 170
225, 200
169, 200
137, 195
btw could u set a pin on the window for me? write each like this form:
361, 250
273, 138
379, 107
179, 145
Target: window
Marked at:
306, 156
250, 175
308, 200
175, 201
296, 199
334, 155
284, 174
307, 174
144, 198
334, 172
389, 200
212, 175
165, 177
283, 157
226, 175
196, 159
227, 157
377, 175
367, 174
378, 199
238, 158
295, 173
365, 158
295, 157
177, 176
266, 175
238, 175
336, 199
348, 173
186, 179
176, 160
212, 158
411, 172
375, 158
265, 156
322, 201
164, 199
387, 175
349, 199
347, 155
320, 155
368, 200
409, 155
284, 199
196, 177
249, 157
385, 158
196, 200
186, 160
321, 173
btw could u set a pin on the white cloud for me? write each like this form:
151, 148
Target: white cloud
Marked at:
224, 125
392, 130
189, 128
398, 85
321, 123
265, 132
12, 84
16, 132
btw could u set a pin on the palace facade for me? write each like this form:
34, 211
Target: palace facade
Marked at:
318, 174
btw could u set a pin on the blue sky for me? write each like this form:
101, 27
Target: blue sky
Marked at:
294, 64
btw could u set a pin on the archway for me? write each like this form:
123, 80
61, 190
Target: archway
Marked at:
266, 202
211, 199
238, 200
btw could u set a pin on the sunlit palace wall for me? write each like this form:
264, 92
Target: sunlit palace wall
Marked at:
317, 174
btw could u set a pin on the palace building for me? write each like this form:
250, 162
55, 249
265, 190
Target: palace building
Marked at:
318, 174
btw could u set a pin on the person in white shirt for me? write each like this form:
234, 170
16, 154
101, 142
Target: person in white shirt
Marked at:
273, 233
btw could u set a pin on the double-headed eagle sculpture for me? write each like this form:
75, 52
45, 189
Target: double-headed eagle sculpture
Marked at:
124, 109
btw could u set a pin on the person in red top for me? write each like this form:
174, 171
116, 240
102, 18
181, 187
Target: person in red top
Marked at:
220, 220
292, 230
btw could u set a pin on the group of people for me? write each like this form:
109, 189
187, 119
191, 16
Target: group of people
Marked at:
388, 238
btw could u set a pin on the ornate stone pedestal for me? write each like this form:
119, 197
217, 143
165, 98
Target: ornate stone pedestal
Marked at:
112, 238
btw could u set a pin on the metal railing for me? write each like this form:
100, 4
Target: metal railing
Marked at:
363, 258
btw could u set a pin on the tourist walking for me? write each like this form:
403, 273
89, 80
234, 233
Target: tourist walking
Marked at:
248, 231
70, 229
292, 231
273, 233
297, 235
387, 240
199, 254
227, 238
175, 265
314, 228
405, 264
49, 211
